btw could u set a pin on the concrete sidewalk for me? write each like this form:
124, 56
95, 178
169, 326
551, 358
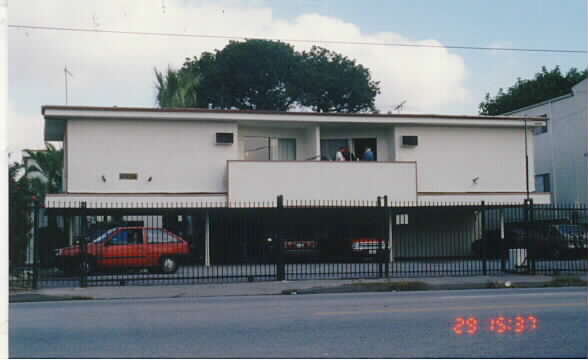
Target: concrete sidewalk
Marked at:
294, 287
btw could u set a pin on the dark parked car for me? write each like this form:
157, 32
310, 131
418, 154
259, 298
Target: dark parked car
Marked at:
301, 250
547, 241
367, 248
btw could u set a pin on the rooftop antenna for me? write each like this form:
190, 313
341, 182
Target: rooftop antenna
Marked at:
400, 106
66, 73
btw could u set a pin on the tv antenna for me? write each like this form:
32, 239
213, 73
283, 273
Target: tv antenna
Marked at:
400, 106
66, 73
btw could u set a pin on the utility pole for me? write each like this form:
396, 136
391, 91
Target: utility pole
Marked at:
65, 74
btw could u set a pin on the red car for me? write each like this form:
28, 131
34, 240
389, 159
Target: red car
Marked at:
156, 249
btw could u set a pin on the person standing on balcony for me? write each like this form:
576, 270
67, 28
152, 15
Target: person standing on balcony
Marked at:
339, 155
368, 155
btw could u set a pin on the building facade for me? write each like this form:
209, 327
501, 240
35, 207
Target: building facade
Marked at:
202, 160
158, 156
561, 147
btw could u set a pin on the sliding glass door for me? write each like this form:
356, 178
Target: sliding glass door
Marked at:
259, 148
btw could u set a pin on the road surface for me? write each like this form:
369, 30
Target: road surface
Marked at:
552, 324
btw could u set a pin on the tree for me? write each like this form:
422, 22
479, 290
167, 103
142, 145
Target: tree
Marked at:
178, 88
331, 82
268, 75
254, 75
19, 220
48, 165
546, 85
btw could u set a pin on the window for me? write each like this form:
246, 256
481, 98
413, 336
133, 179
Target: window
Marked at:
267, 148
542, 183
160, 236
329, 148
255, 148
540, 130
224, 138
127, 237
286, 149
357, 148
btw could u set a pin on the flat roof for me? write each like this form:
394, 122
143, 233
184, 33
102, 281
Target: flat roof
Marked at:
46, 111
57, 115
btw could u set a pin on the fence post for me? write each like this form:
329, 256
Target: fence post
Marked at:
35, 284
83, 246
527, 240
280, 267
501, 242
484, 239
379, 254
386, 256
531, 259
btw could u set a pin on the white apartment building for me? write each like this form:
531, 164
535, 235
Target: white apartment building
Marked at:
193, 156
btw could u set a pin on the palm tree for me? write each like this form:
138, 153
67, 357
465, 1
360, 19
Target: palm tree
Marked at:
176, 88
44, 175
48, 166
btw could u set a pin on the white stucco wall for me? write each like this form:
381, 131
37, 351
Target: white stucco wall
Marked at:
562, 151
449, 158
321, 180
180, 156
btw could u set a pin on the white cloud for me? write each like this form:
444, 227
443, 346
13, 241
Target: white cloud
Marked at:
118, 69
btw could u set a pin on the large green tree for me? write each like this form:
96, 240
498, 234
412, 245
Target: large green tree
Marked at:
546, 85
331, 82
268, 75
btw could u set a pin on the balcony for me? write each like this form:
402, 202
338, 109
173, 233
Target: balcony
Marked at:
252, 181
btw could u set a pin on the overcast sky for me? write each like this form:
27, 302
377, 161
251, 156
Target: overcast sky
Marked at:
113, 69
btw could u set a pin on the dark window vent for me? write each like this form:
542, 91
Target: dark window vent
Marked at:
410, 140
224, 138
127, 176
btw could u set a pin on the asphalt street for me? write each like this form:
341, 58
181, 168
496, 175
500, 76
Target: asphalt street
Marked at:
551, 323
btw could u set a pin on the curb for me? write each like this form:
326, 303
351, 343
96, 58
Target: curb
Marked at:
354, 287
32, 297
422, 286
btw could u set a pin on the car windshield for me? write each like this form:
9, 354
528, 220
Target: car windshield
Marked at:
104, 236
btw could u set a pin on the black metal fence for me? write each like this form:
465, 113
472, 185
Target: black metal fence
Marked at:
93, 245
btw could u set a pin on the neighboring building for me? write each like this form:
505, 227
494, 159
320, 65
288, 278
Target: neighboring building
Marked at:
195, 158
561, 147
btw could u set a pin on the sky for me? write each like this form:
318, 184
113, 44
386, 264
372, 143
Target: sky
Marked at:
114, 69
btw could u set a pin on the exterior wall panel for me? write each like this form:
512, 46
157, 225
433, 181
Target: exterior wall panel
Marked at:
450, 158
321, 180
177, 156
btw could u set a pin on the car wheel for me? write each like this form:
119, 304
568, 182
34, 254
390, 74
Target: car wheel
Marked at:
169, 265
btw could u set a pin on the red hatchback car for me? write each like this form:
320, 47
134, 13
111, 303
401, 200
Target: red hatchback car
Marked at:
156, 249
